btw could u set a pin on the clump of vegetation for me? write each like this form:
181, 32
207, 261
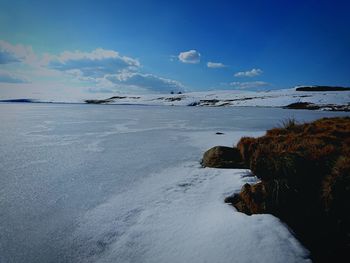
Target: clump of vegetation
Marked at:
305, 181
322, 88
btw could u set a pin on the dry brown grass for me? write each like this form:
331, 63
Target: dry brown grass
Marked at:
305, 173
295, 146
336, 188
246, 146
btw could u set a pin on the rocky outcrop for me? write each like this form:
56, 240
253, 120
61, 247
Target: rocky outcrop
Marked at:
312, 106
109, 100
302, 106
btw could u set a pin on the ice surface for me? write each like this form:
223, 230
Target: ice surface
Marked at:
108, 183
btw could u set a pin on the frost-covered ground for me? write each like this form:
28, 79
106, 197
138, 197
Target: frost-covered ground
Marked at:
95, 183
275, 98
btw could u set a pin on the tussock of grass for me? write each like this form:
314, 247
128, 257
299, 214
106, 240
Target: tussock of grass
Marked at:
289, 123
247, 146
305, 180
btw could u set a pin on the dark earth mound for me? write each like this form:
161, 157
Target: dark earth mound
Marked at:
312, 106
322, 88
305, 181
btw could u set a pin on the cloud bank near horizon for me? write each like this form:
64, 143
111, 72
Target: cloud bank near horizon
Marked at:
104, 70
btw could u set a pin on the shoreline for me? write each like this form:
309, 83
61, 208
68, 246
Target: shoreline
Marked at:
314, 107
304, 174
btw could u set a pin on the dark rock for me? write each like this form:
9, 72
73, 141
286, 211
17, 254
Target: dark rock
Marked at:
312, 106
212, 102
219, 133
174, 99
195, 103
117, 98
97, 101
222, 157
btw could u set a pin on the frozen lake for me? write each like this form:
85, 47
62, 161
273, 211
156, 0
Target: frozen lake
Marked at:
108, 183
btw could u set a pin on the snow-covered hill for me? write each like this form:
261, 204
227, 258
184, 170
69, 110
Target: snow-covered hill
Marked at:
329, 100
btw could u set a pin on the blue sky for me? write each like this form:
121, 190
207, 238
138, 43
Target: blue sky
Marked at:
158, 46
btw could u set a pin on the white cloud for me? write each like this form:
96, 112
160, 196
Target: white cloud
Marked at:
191, 56
142, 81
95, 64
250, 73
248, 85
215, 65
7, 77
110, 71
16, 53
100, 70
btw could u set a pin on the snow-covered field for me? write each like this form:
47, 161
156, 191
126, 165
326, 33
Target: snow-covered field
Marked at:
98, 183
275, 98
216, 98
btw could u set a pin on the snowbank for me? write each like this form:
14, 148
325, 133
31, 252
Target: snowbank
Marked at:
187, 222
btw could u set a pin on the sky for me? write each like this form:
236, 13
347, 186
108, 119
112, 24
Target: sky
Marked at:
88, 48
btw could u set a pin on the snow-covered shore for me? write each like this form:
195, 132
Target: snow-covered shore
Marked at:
178, 215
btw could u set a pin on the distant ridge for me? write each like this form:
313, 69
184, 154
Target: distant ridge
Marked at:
321, 88
19, 100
